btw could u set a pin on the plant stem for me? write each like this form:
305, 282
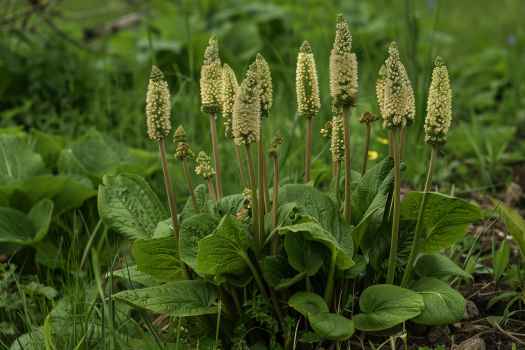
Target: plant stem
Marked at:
241, 168
260, 192
172, 200
392, 259
275, 202
407, 275
211, 189
216, 156
266, 191
308, 150
190, 183
260, 284
253, 187
402, 138
433, 157
337, 170
348, 166
367, 146
329, 291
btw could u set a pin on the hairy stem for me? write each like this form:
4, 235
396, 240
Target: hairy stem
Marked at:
172, 200
367, 146
211, 189
337, 171
216, 156
402, 138
190, 183
275, 202
348, 167
308, 149
241, 167
260, 194
407, 275
392, 259
253, 187
266, 191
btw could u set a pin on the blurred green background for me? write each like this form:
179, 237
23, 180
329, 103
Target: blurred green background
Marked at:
68, 66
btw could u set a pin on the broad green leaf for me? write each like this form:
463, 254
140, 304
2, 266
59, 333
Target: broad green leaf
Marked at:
201, 196
443, 304
331, 326
501, 260
307, 303
230, 205
178, 299
370, 196
439, 266
383, 306
30, 341
158, 257
19, 228
67, 191
48, 146
445, 219
514, 222
312, 202
18, 161
192, 230
313, 231
133, 275
225, 250
127, 204
278, 273
303, 255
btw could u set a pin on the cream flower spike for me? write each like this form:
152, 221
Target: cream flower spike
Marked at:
211, 79
306, 83
246, 123
343, 67
230, 86
158, 106
264, 77
439, 105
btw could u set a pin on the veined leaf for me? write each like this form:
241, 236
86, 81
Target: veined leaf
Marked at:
158, 257
439, 266
127, 204
19, 228
443, 304
514, 222
192, 230
278, 273
370, 196
445, 219
383, 306
224, 251
133, 275
18, 161
307, 303
179, 299
201, 196
313, 231
304, 255
331, 326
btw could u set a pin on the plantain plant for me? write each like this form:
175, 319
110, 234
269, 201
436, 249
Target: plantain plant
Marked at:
279, 278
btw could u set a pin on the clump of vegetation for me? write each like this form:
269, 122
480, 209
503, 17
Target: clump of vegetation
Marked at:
303, 265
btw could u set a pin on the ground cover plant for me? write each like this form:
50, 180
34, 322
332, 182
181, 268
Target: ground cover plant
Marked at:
319, 265
341, 193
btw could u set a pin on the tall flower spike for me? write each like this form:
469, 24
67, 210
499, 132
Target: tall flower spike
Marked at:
439, 105
264, 77
158, 106
203, 167
211, 79
343, 67
394, 91
337, 142
306, 83
246, 123
230, 86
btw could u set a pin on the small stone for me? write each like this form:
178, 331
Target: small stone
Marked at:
471, 310
472, 344
438, 334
